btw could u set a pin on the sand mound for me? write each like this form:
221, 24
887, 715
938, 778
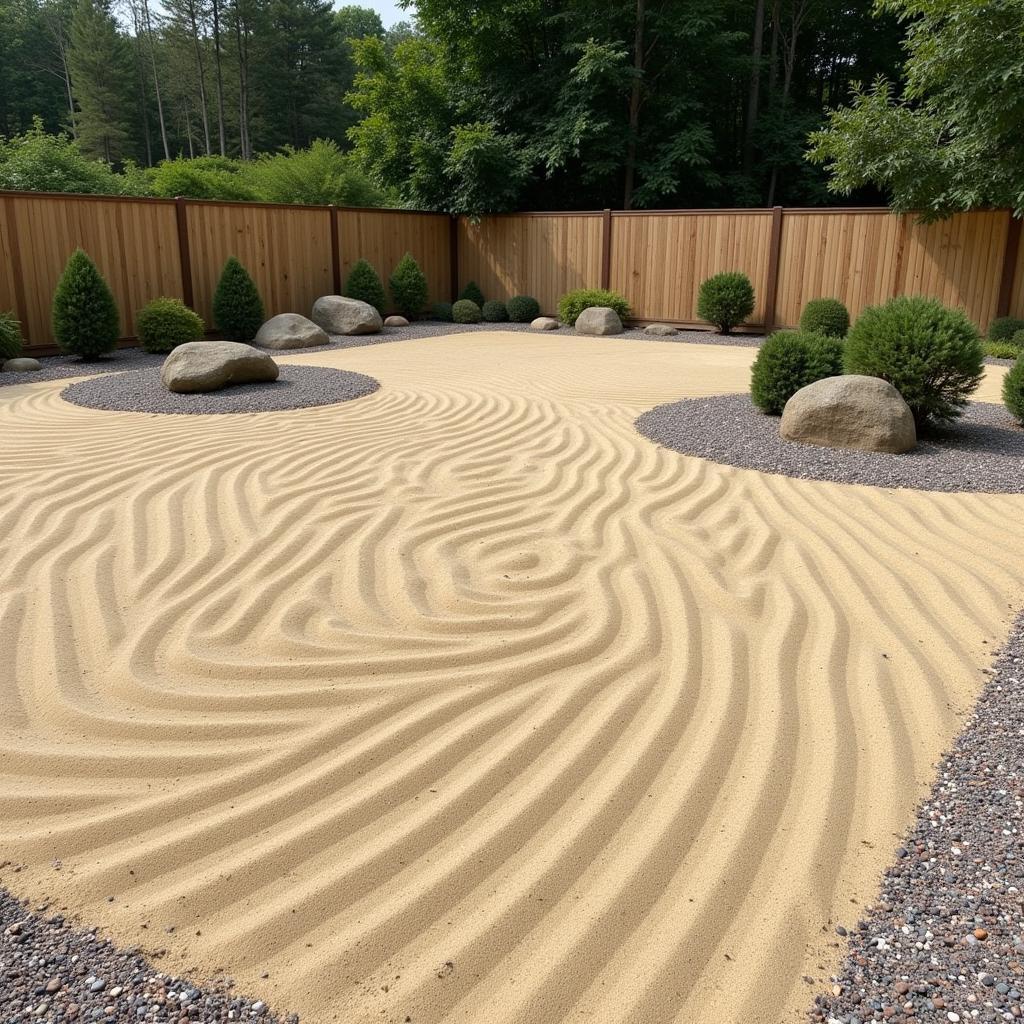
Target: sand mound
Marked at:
465, 702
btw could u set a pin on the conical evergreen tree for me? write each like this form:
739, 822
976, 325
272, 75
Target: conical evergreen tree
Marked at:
237, 306
100, 62
85, 318
364, 283
409, 287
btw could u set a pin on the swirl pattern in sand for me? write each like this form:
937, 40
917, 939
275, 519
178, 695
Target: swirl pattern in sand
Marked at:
465, 702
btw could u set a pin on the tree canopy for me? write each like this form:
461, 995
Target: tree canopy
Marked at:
953, 137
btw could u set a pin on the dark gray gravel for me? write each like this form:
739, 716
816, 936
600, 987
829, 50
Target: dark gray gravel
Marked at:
946, 939
984, 451
55, 974
62, 367
298, 387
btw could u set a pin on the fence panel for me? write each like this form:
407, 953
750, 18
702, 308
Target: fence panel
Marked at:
286, 249
864, 257
543, 255
383, 237
658, 260
132, 241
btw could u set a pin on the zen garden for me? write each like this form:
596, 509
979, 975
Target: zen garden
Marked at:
512, 512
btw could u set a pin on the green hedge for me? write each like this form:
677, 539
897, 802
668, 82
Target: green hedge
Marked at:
164, 323
522, 309
931, 355
789, 361
85, 318
466, 311
572, 304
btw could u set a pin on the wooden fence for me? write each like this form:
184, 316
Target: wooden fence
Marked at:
175, 247
657, 259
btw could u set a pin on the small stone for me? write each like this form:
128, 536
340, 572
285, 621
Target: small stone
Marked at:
598, 321
54, 985
21, 364
544, 323
396, 321
980, 934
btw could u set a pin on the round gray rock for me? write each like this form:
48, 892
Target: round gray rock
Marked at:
338, 314
290, 330
212, 365
396, 321
598, 320
544, 323
22, 364
660, 330
852, 411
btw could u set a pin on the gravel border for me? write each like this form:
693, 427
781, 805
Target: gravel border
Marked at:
62, 367
945, 942
57, 974
298, 387
984, 451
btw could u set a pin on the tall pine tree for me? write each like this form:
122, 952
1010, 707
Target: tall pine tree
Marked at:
102, 80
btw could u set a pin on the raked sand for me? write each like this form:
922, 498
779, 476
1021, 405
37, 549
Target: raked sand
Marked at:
465, 702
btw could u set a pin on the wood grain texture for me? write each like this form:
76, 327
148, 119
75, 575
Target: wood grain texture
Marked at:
286, 249
383, 237
134, 244
659, 262
540, 255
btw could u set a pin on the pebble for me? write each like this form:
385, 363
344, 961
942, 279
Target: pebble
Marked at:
943, 941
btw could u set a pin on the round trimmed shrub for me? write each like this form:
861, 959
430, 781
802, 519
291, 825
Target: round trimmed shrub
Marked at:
409, 288
442, 311
931, 355
164, 323
1017, 341
572, 304
85, 318
1003, 328
237, 306
825, 316
494, 312
522, 309
1013, 391
466, 311
364, 283
10, 337
726, 300
472, 293
789, 361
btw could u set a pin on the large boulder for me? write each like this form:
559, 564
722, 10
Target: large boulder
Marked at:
544, 323
866, 413
338, 314
212, 365
290, 330
598, 320
660, 330
22, 364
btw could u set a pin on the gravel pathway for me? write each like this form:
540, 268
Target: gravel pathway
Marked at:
55, 974
298, 387
62, 367
984, 451
946, 941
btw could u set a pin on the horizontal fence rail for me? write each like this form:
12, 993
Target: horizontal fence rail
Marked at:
165, 247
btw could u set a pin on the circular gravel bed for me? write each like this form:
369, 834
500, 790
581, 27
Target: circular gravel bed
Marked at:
51, 972
298, 387
946, 940
984, 451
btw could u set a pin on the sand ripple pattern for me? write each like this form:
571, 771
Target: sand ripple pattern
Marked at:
465, 702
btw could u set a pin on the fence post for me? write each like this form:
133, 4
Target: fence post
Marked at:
1010, 253
771, 289
17, 270
606, 249
184, 250
332, 212
453, 255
